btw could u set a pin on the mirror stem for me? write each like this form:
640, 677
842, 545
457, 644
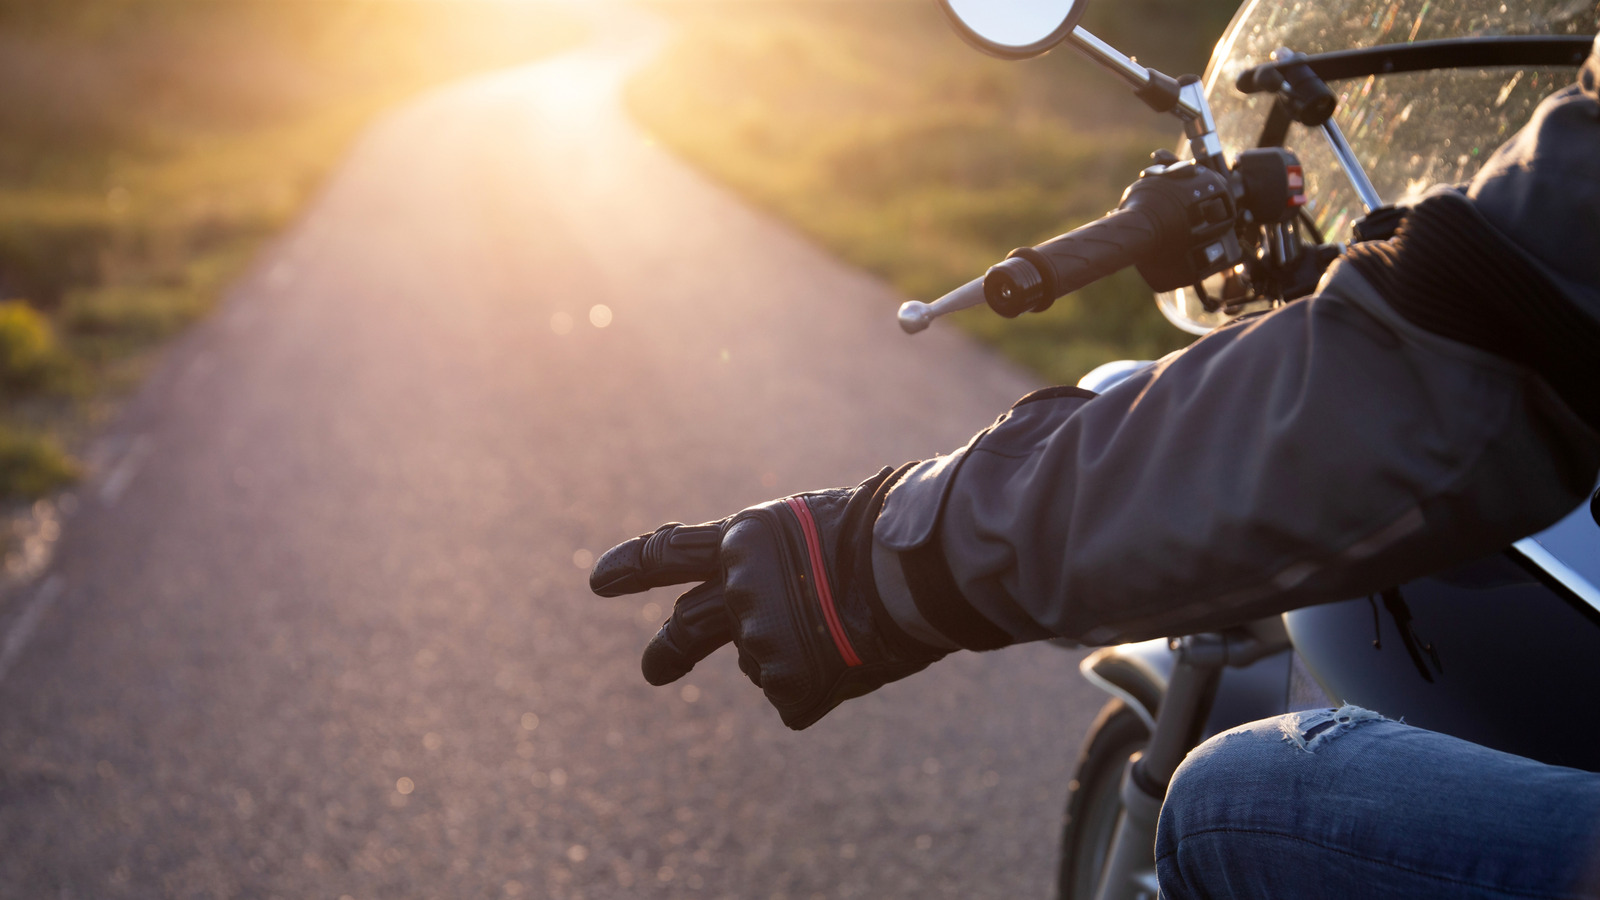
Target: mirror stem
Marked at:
1130, 71
1184, 98
1201, 129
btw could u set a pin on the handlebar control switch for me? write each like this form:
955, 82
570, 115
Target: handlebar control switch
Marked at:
1195, 212
1272, 184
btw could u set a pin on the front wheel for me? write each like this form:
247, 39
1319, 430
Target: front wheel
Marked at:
1094, 803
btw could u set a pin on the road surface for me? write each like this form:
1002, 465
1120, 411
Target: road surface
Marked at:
319, 626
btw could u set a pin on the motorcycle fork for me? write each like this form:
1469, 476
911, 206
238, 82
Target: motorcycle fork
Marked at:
1129, 873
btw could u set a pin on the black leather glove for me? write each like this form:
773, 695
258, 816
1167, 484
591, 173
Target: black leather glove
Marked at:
790, 583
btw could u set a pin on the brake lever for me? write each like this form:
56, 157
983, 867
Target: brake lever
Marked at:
916, 316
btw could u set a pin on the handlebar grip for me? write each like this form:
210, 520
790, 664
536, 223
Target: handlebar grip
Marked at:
1033, 277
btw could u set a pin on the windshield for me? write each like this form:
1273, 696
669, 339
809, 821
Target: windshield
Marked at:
1412, 130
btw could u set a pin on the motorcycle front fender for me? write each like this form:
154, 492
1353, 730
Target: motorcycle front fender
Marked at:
1135, 673
1139, 673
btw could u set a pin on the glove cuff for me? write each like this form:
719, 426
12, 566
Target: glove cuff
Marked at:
1448, 271
856, 558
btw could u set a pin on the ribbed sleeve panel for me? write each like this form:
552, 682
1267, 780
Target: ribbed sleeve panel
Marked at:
1448, 271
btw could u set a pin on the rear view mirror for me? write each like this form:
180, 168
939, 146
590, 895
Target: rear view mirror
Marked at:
1013, 29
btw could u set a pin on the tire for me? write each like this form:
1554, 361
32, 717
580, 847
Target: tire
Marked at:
1093, 801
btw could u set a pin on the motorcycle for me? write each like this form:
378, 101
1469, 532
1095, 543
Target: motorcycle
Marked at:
1377, 98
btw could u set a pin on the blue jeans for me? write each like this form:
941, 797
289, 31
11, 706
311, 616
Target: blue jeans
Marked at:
1346, 804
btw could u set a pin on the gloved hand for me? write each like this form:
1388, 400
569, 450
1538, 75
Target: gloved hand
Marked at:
790, 583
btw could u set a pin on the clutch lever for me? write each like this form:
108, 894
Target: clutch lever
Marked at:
916, 316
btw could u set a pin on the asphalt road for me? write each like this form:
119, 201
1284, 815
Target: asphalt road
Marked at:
319, 626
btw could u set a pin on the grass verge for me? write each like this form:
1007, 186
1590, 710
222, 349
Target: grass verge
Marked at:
872, 128
152, 145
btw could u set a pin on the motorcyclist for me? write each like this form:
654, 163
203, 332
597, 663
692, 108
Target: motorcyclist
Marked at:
1436, 400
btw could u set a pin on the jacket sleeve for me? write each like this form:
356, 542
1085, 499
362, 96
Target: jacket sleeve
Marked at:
1378, 431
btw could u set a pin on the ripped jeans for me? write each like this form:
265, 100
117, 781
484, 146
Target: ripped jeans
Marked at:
1347, 804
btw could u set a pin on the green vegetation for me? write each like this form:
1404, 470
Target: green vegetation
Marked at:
152, 145
876, 131
33, 464
30, 358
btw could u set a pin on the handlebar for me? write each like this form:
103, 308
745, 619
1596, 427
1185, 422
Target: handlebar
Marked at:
1176, 223
1033, 277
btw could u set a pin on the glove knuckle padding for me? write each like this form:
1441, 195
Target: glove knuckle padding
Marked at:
768, 593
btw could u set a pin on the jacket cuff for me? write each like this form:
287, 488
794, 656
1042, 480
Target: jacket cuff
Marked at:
898, 603
914, 579
1448, 271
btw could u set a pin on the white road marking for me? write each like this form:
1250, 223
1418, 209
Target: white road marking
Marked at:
126, 468
17, 638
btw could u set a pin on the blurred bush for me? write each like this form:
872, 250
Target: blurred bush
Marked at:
28, 351
32, 465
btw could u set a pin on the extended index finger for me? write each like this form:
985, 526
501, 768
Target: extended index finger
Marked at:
672, 554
